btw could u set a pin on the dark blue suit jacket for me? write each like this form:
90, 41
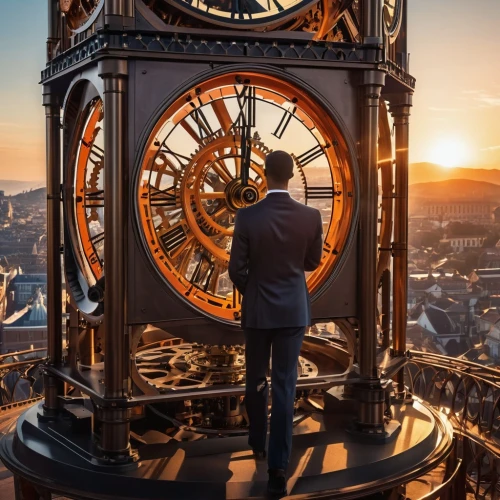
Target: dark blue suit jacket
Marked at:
274, 242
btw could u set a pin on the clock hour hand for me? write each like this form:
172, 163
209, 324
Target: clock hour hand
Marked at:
246, 152
246, 100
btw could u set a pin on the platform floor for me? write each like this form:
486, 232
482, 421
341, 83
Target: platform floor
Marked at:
415, 490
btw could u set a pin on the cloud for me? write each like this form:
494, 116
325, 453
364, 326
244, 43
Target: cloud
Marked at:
472, 91
443, 109
488, 100
491, 148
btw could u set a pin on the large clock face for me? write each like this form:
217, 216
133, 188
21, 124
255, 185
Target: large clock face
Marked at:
89, 193
249, 13
204, 160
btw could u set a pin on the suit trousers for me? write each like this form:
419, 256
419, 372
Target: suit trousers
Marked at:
286, 344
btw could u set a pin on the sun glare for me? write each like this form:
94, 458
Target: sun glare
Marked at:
450, 153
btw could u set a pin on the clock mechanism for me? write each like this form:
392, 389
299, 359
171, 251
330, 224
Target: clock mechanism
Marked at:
204, 160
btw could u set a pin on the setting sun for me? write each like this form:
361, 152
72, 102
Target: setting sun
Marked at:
450, 153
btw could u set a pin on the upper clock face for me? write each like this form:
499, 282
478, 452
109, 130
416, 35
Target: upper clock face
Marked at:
249, 13
89, 193
204, 160
78, 12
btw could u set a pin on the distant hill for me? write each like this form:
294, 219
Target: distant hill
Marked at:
456, 190
429, 172
32, 196
15, 187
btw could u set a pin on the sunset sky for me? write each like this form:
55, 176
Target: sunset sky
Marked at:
454, 46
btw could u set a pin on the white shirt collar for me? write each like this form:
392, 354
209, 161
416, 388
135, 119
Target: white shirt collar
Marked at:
277, 191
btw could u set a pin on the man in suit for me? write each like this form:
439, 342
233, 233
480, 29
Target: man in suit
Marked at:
275, 241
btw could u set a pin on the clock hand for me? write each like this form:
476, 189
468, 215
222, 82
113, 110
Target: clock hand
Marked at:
246, 120
246, 152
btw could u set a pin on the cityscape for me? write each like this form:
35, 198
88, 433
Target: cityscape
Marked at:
453, 265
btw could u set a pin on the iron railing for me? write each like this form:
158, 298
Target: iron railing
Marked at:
20, 379
469, 395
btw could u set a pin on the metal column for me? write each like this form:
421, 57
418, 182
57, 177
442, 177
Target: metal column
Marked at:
400, 108
386, 309
116, 12
371, 395
372, 85
54, 281
115, 426
53, 36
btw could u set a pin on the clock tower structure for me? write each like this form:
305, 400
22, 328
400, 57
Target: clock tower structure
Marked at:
160, 114
169, 108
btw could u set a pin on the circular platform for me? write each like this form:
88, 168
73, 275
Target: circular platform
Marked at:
326, 462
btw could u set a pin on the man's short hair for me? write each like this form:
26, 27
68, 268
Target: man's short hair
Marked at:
279, 166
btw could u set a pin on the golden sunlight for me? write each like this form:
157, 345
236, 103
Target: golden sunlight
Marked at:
450, 153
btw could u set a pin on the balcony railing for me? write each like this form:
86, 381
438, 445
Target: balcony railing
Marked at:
469, 394
20, 380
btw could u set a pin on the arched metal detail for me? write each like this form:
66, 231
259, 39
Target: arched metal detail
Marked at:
469, 395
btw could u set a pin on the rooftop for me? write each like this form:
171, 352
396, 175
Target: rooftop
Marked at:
30, 278
441, 322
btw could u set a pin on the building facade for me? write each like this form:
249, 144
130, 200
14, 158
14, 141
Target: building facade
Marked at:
459, 211
460, 243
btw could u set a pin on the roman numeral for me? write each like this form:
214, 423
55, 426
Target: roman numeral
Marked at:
97, 238
283, 124
94, 259
94, 198
242, 7
163, 197
96, 155
319, 193
181, 159
203, 273
309, 156
277, 4
204, 128
247, 106
174, 238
